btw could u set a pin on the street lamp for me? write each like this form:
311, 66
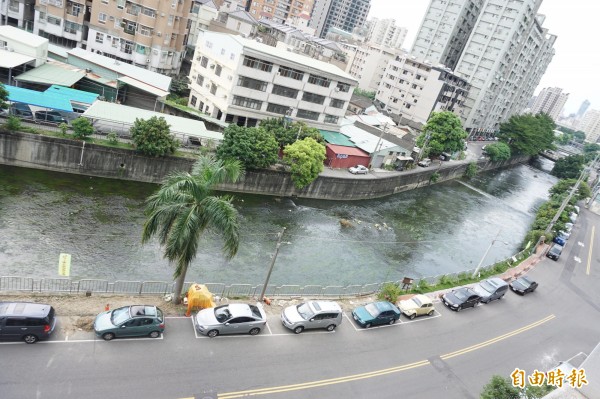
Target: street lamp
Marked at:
279, 236
485, 254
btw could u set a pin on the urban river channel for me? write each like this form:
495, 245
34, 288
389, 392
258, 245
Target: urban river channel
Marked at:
438, 229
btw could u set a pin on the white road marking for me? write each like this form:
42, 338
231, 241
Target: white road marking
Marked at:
577, 259
580, 244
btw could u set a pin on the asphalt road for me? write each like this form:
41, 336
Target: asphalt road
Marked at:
449, 355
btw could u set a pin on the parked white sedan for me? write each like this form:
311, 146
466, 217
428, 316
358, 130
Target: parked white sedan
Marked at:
358, 170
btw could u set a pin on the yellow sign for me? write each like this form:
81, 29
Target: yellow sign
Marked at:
64, 265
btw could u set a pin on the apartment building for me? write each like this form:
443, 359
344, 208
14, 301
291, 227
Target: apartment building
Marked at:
590, 125
241, 81
411, 89
385, 32
280, 11
343, 14
201, 15
17, 13
551, 101
369, 63
500, 47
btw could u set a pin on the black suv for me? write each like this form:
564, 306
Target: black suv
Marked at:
554, 252
26, 321
49, 116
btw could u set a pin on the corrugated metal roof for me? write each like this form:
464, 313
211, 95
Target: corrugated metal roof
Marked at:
143, 86
51, 74
243, 16
365, 140
72, 94
22, 36
10, 59
38, 98
340, 149
157, 80
336, 138
127, 115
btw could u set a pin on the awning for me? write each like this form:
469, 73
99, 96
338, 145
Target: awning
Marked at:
50, 74
143, 86
32, 97
10, 59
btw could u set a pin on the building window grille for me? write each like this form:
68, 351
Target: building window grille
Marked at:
291, 73
319, 81
313, 98
200, 80
246, 102
285, 91
277, 108
331, 119
255, 63
336, 103
306, 114
253, 84
204, 62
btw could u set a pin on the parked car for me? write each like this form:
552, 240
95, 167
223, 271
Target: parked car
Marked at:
130, 321
312, 314
26, 321
424, 162
573, 217
21, 110
554, 252
565, 234
568, 227
50, 116
234, 318
491, 289
461, 298
418, 305
358, 170
523, 285
444, 156
560, 240
576, 209
376, 313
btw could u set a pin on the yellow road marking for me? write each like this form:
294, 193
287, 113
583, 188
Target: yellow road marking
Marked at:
497, 339
314, 384
587, 270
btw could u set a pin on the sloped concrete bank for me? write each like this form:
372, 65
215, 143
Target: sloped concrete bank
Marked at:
71, 156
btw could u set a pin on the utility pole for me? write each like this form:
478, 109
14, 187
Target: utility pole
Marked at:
377, 145
279, 237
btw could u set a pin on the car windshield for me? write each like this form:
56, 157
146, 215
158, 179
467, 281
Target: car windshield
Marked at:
460, 294
487, 286
525, 281
222, 314
255, 311
120, 315
416, 300
305, 311
372, 309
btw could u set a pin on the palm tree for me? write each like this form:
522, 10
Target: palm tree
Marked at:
183, 208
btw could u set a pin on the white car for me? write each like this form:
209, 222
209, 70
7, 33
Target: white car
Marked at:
358, 170
425, 162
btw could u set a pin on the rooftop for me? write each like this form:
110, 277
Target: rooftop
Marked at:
243, 16
10, 59
50, 73
41, 99
22, 36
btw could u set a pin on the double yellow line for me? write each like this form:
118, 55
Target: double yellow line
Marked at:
315, 384
497, 339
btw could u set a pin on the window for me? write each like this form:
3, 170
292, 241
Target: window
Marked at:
53, 20
101, 17
285, 91
252, 83
255, 63
213, 89
130, 27
200, 80
247, 102
105, 1
193, 101
73, 8
319, 81
149, 12
115, 42
144, 30
126, 46
331, 119
209, 44
336, 103
120, 4
204, 62
343, 87
313, 98
99, 37
141, 49
277, 108
218, 70
291, 73
302, 113
72, 27
170, 22
222, 51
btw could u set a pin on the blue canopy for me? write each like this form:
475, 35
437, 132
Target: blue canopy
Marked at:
78, 96
45, 100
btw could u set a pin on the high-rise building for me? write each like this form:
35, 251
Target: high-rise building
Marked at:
385, 32
590, 125
499, 46
280, 11
551, 101
369, 64
18, 13
342, 14
583, 108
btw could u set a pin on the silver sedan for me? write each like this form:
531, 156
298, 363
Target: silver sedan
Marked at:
234, 318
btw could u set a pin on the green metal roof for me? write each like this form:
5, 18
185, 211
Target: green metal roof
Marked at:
336, 138
51, 74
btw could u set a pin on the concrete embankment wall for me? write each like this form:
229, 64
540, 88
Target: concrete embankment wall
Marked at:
71, 156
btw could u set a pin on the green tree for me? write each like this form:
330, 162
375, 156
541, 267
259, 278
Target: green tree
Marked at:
564, 186
3, 97
591, 147
184, 208
254, 147
502, 388
82, 127
153, 137
528, 134
442, 133
288, 133
498, 151
306, 160
568, 167
577, 135
471, 170
365, 93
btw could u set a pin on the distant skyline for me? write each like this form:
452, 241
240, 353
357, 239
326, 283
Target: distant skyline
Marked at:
575, 63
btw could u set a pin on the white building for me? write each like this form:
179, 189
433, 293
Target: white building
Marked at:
412, 89
18, 13
369, 62
201, 14
241, 81
551, 101
16, 43
343, 14
590, 125
386, 32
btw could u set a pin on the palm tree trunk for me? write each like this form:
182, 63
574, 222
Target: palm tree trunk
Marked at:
179, 286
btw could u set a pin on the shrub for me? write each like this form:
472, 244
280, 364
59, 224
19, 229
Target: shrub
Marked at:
435, 176
13, 123
112, 138
390, 292
471, 170
82, 128
63, 128
153, 137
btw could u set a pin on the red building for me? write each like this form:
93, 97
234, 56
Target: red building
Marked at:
339, 156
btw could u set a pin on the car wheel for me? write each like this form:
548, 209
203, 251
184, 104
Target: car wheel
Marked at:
213, 333
298, 330
30, 339
154, 334
254, 331
330, 327
108, 336
392, 322
458, 309
368, 325
412, 316
430, 313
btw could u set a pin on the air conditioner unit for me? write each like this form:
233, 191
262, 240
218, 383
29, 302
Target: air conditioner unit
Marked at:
207, 86
212, 66
177, 18
111, 18
147, 60
158, 34
162, 14
88, 70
